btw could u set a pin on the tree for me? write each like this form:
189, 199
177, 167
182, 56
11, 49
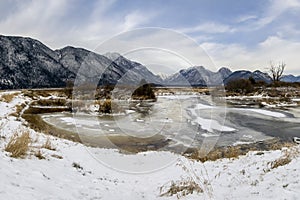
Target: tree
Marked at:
276, 71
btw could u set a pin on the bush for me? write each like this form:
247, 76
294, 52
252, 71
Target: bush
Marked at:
143, 92
242, 86
105, 107
18, 145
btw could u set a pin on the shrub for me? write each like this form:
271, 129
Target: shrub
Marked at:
242, 86
105, 107
143, 92
18, 145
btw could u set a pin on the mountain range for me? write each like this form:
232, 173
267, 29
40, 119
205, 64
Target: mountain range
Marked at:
28, 63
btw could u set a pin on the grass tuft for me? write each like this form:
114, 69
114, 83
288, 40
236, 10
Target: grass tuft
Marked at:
39, 155
48, 145
7, 97
181, 188
18, 145
287, 157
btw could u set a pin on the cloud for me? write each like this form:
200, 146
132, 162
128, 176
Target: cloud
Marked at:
239, 39
158, 47
209, 27
57, 24
245, 18
237, 56
275, 10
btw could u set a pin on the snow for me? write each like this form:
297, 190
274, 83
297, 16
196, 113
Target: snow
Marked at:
265, 112
177, 96
208, 124
108, 174
211, 124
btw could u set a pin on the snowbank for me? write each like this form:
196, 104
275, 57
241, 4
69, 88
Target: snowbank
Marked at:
74, 171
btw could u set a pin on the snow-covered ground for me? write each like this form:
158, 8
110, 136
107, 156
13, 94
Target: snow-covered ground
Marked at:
74, 171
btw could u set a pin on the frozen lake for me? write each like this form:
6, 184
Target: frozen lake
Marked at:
189, 121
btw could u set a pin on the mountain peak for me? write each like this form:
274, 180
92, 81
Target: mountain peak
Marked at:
113, 55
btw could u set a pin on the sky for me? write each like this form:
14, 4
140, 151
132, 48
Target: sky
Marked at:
166, 34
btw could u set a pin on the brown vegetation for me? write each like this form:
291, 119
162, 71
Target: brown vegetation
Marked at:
7, 97
287, 157
236, 151
105, 106
242, 86
39, 155
18, 145
48, 145
181, 188
144, 92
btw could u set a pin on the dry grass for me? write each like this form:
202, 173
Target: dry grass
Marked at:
50, 102
181, 188
57, 156
288, 155
7, 97
219, 153
234, 152
18, 145
19, 109
48, 145
39, 155
44, 93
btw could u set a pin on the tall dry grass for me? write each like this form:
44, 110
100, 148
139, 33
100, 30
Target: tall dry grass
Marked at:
18, 144
288, 155
181, 188
48, 145
7, 97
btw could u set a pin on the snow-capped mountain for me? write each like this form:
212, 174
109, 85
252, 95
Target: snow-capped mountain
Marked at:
28, 63
244, 74
290, 78
198, 76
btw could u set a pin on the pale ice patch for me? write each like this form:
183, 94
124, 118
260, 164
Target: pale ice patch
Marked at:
265, 112
177, 97
209, 135
129, 111
210, 125
80, 122
240, 143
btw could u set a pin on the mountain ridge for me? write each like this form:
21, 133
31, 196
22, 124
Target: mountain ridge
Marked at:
28, 63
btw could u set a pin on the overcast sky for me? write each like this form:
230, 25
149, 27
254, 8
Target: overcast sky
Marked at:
244, 34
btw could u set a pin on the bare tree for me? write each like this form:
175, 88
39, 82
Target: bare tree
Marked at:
276, 71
